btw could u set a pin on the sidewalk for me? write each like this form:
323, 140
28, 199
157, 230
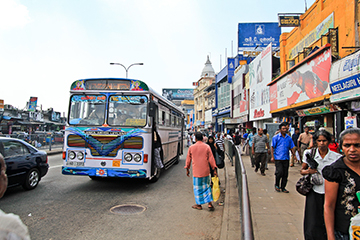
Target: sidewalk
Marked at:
274, 215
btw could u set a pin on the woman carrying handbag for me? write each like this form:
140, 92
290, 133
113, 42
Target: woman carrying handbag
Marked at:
314, 160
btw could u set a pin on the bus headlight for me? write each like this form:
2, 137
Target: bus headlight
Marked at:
137, 157
72, 155
80, 155
128, 157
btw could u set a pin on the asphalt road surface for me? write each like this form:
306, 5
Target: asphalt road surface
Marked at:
76, 207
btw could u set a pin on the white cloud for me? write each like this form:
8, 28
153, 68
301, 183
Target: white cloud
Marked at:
13, 14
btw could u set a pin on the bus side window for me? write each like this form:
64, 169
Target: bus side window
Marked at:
163, 118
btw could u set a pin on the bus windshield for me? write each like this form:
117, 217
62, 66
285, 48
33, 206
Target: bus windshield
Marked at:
87, 110
127, 110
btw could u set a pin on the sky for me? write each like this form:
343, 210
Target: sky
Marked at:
46, 45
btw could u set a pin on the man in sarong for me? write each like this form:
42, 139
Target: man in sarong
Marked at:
201, 159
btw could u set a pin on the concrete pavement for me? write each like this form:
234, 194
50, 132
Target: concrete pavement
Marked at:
274, 215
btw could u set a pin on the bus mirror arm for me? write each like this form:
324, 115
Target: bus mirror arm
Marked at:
152, 109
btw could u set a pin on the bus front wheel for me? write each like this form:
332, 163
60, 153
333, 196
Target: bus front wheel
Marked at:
156, 176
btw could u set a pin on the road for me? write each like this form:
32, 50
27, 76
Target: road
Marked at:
76, 207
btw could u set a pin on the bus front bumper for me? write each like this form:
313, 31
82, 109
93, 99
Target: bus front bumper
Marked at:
104, 172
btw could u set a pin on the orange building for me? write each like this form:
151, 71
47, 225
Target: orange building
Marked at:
328, 32
326, 21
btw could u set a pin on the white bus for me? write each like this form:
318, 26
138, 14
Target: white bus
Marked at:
110, 129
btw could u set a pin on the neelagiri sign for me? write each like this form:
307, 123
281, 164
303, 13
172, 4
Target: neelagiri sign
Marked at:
309, 81
289, 21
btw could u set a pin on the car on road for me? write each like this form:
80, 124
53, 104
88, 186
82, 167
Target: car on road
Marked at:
25, 164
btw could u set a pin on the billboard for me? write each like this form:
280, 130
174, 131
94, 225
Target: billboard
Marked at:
32, 104
260, 74
310, 80
254, 37
178, 94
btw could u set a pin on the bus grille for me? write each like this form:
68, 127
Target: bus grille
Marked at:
102, 141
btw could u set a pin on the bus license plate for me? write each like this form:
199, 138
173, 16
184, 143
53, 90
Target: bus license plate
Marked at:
75, 164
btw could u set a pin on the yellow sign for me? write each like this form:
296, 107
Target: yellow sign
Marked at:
116, 163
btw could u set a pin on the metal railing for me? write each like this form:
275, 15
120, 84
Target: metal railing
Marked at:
42, 141
242, 185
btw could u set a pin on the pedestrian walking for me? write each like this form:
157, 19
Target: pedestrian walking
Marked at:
304, 141
281, 145
237, 141
200, 157
220, 142
260, 149
250, 138
342, 181
334, 146
268, 156
215, 149
295, 138
314, 225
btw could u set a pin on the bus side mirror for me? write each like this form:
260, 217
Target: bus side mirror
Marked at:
152, 109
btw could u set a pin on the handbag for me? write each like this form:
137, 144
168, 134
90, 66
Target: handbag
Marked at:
219, 161
304, 185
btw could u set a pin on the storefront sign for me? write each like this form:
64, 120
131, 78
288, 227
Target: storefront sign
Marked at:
289, 21
333, 40
260, 74
350, 122
310, 80
345, 77
313, 36
318, 110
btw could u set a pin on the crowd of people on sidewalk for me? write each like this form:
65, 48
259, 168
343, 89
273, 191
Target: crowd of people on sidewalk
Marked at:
333, 167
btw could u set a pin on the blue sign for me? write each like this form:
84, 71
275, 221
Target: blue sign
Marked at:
231, 68
345, 84
252, 35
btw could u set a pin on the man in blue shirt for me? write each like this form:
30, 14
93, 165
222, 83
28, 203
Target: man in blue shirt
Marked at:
250, 139
281, 144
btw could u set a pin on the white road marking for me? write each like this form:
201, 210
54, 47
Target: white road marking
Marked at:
55, 166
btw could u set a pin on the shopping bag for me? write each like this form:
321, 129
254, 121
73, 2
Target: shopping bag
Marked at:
215, 188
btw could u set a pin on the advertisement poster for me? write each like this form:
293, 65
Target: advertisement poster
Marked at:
178, 94
260, 74
310, 80
350, 122
32, 104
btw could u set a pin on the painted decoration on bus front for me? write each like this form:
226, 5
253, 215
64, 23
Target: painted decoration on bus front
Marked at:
104, 148
78, 85
310, 80
138, 86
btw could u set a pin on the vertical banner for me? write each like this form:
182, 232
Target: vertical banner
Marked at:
32, 104
260, 74
231, 69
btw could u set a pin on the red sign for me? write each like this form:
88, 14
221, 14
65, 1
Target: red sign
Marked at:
259, 113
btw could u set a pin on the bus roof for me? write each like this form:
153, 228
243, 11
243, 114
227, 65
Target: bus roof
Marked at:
109, 84
116, 84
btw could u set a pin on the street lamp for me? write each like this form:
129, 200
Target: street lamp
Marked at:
126, 69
